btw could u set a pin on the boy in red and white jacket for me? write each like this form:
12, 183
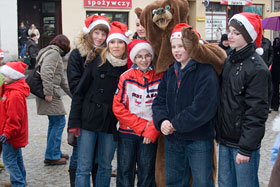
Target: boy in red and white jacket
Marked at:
14, 120
132, 106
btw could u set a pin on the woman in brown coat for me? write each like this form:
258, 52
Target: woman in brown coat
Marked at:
53, 79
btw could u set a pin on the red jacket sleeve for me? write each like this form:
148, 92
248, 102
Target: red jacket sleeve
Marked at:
121, 111
151, 132
15, 115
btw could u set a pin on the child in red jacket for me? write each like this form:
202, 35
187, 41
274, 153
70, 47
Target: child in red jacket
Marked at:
132, 106
14, 120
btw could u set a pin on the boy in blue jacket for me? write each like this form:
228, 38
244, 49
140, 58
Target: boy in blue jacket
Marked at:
184, 112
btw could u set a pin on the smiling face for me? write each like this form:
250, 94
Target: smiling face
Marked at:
236, 40
117, 48
143, 60
179, 52
140, 29
98, 37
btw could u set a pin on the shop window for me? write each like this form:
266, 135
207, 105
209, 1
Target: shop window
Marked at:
258, 9
49, 26
48, 7
112, 16
216, 16
276, 6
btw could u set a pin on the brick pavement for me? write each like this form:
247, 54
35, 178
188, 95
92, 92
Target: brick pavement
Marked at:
39, 175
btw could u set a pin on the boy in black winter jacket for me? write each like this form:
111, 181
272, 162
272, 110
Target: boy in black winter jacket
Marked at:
244, 104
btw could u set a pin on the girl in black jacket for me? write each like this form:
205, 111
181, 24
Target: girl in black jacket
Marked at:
88, 43
91, 117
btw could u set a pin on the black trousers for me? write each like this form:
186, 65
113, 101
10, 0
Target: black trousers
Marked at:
275, 96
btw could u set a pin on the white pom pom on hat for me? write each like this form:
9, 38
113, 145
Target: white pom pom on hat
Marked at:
1, 54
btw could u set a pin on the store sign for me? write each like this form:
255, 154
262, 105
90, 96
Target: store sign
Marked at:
107, 3
237, 2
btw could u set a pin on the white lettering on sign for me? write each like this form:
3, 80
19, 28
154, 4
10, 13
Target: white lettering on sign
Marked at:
108, 3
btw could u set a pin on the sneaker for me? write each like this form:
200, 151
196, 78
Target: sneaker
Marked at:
61, 161
7, 184
66, 156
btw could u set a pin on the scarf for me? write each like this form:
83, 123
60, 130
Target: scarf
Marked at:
116, 62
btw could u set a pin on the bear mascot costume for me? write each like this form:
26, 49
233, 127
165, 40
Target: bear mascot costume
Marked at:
159, 18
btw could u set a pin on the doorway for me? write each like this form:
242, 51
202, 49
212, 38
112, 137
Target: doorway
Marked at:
45, 14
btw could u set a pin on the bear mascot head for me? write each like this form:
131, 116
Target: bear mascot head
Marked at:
159, 18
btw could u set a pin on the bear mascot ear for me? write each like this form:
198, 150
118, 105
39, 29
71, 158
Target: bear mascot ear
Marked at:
138, 12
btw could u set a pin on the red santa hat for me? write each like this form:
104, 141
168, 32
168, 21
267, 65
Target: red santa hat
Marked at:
13, 70
119, 31
177, 33
250, 26
137, 45
94, 20
1, 54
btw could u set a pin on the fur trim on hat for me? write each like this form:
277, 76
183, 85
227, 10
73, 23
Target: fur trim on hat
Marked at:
11, 73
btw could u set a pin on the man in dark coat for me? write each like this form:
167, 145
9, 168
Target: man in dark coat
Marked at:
32, 50
267, 51
22, 39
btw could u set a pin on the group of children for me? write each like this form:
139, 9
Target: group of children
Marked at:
115, 107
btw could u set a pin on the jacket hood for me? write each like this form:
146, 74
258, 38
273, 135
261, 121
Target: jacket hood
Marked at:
80, 44
49, 47
19, 85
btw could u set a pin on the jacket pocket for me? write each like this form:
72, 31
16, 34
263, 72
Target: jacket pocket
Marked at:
56, 91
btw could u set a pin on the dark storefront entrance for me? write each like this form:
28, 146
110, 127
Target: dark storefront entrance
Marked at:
45, 14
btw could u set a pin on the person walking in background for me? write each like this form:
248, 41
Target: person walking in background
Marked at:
34, 30
224, 43
53, 79
132, 106
91, 117
244, 104
267, 55
275, 74
218, 34
184, 111
22, 39
14, 120
32, 50
88, 45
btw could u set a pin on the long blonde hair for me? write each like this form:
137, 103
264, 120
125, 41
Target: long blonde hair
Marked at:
104, 52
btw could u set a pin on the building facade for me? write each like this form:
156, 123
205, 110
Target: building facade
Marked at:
54, 17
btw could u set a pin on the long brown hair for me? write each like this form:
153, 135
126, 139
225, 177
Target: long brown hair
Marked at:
88, 37
62, 42
103, 54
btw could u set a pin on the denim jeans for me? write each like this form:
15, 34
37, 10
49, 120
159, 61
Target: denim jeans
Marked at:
131, 150
237, 175
22, 50
74, 158
13, 161
105, 154
195, 156
55, 130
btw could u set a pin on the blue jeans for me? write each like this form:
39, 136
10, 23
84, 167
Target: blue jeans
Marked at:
74, 158
105, 154
195, 156
55, 130
237, 175
14, 164
22, 50
131, 150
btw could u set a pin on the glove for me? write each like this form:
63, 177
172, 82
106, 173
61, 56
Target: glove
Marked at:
3, 138
72, 133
